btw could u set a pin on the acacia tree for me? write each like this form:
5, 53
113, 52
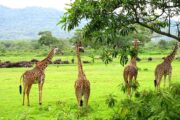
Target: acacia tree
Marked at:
108, 21
121, 15
47, 39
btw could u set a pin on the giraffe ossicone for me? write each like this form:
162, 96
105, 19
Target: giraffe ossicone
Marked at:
56, 50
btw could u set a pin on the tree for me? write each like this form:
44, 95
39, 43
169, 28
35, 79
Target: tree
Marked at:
111, 46
163, 44
109, 21
122, 16
47, 39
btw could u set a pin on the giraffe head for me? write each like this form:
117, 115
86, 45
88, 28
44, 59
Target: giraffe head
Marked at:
79, 46
136, 43
55, 50
44, 63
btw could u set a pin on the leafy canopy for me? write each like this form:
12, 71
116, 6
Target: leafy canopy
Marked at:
121, 16
110, 21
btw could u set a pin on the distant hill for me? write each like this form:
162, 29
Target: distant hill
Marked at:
28, 22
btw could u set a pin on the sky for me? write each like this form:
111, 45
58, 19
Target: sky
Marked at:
57, 4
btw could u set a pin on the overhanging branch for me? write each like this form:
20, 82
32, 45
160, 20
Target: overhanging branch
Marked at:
160, 32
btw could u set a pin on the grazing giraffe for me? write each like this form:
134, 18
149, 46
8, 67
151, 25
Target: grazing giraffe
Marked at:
165, 68
82, 85
36, 75
131, 71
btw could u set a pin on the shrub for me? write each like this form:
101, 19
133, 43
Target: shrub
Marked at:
150, 105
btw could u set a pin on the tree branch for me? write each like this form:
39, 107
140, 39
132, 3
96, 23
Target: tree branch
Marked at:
160, 32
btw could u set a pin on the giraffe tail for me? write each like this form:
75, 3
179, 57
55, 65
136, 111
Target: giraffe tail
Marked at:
155, 83
20, 89
81, 102
20, 86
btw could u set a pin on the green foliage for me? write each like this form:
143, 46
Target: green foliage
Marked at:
163, 44
110, 100
175, 90
123, 59
124, 56
117, 44
26, 116
105, 28
47, 39
106, 58
120, 16
161, 105
133, 52
134, 85
77, 37
66, 114
92, 56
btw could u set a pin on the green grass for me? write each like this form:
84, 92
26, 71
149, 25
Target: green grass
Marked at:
58, 91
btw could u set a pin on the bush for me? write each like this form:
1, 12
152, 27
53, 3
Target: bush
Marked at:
150, 105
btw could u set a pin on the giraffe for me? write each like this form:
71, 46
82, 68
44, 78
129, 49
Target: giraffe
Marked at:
36, 75
82, 85
131, 71
165, 68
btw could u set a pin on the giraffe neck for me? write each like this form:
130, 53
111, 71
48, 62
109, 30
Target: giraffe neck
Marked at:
80, 68
44, 63
170, 57
133, 61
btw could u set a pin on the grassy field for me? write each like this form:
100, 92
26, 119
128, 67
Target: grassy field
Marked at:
59, 100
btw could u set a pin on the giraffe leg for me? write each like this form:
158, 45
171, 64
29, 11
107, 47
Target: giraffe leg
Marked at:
165, 80
135, 76
159, 81
28, 91
126, 81
79, 100
125, 75
169, 79
40, 85
126, 84
135, 79
86, 98
40, 93
24, 92
129, 89
129, 84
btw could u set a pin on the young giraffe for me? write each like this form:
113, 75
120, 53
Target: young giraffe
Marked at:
131, 71
36, 75
82, 85
165, 68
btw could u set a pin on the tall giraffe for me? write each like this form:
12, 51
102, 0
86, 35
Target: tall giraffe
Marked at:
165, 68
131, 71
82, 85
36, 75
